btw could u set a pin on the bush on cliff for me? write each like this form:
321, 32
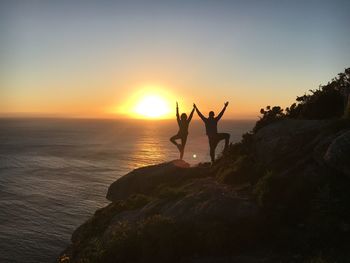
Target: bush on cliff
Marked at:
329, 101
269, 115
326, 102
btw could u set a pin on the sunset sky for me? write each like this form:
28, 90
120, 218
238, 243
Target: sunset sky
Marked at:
101, 58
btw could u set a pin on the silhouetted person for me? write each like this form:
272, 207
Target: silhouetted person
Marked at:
182, 134
211, 127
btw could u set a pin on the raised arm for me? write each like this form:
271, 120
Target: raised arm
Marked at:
177, 113
222, 112
191, 115
199, 113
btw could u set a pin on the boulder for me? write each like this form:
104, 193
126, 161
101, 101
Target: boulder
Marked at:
202, 200
147, 179
338, 153
286, 140
209, 200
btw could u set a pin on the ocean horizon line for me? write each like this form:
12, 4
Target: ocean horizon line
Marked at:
109, 118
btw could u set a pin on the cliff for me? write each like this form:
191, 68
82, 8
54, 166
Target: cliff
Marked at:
279, 196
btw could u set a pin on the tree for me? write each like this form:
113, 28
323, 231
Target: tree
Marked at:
329, 101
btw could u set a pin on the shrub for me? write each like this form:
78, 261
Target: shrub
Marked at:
329, 101
270, 115
326, 102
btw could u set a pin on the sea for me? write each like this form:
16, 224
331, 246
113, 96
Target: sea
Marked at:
54, 173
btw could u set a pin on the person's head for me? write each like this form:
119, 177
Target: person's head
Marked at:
183, 116
211, 114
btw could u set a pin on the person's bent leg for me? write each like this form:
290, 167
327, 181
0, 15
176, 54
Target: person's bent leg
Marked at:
178, 145
226, 137
173, 140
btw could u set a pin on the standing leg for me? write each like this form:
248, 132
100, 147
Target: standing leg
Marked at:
183, 143
213, 142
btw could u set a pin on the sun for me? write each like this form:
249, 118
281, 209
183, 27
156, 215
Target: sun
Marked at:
146, 102
152, 106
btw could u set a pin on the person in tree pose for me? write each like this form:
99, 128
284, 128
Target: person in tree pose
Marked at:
211, 127
182, 134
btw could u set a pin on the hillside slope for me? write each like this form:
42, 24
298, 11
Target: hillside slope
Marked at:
279, 196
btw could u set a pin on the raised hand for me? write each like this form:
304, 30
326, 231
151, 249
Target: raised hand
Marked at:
177, 105
226, 103
194, 106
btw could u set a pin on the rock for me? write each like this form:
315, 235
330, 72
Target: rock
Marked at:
146, 179
286, 140
203, 200
209, 200
338, 153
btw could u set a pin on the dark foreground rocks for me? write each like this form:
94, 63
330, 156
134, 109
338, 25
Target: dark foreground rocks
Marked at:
171, 210
281, 196
338, 153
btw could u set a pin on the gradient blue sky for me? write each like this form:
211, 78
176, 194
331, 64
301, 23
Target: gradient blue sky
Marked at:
82, 58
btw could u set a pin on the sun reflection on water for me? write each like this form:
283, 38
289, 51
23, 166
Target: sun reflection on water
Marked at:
149, 149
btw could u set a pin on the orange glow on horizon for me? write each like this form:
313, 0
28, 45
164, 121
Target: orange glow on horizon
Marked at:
148, 102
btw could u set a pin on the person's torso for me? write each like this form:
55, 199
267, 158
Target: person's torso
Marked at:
183, 127
211, 127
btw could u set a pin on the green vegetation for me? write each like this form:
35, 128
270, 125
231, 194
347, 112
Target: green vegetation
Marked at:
327, 102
